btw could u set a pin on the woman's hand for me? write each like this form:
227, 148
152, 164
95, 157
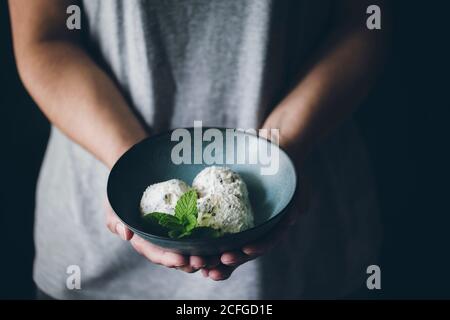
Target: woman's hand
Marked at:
150, 251
154, 253
229, 261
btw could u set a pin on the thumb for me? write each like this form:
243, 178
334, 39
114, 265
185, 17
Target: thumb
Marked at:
115, 225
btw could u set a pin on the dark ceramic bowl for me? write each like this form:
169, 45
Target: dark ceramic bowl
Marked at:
150, 161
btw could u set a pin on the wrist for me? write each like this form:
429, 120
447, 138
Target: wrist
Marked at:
121, 146
292, 134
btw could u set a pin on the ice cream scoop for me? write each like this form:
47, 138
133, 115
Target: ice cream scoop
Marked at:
216, 179
163, 196
226, 213
223, 202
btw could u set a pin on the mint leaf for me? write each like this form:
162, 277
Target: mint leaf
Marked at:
187, 205
189, 222
184, 222
165, 220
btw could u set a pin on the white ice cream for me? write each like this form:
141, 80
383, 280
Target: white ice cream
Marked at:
219, 180
222, 204
163, 196
223, 201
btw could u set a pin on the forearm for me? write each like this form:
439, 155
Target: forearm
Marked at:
337, 79
79, 98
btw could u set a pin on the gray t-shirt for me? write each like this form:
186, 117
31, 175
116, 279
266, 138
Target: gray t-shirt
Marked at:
226, 63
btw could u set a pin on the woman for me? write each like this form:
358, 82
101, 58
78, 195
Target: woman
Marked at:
140, 67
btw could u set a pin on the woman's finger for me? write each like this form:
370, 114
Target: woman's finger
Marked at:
157, 254
260, 247
269, 241
205, 273
234, 258
187, 269
255, 249
197, 262
220, 272
115, 225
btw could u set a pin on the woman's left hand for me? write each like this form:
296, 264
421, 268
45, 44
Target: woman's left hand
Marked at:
229, 261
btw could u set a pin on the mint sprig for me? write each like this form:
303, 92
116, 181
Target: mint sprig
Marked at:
184, 221
165, 220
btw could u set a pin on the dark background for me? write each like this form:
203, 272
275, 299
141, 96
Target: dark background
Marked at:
404, 121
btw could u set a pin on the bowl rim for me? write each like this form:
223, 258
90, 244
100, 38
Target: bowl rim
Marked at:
277, 215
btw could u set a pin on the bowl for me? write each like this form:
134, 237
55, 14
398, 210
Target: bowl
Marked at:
151, 161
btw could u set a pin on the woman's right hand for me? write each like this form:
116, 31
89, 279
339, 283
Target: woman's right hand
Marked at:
154, 253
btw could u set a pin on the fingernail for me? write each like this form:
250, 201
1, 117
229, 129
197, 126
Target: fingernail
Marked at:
229, 262
251, 252
120, 229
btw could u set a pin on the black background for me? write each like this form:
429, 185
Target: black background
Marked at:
404, 121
